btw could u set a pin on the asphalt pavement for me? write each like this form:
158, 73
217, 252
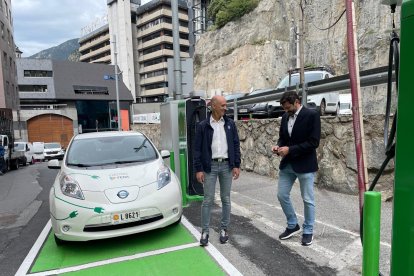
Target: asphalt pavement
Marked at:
257, 221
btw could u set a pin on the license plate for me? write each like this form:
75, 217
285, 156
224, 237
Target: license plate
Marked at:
125, 217
243, 110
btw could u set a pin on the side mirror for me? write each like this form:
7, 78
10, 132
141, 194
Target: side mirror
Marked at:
165, 154
53, 164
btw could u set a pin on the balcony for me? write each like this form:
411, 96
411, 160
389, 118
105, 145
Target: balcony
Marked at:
159, 27
152, 92
94, 42
159, 13
160, 40
160, 53
156, 79
95, 53
155, 67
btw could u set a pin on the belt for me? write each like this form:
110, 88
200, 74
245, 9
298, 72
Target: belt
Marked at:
220, 159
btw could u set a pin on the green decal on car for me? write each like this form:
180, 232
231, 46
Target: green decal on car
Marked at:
92, 176
98, 210
71, 215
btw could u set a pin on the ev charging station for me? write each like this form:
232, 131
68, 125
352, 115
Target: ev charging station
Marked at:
402, 246
178, 124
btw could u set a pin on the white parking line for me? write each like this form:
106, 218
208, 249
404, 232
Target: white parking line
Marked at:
223, 262
25, 266
31, 256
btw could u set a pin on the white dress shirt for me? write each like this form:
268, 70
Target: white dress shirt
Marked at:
219, 144
292, 120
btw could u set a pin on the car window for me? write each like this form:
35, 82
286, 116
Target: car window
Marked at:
52, 145
110, 150
295, 78
19, 147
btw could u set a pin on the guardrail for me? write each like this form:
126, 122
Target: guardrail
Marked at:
367, 78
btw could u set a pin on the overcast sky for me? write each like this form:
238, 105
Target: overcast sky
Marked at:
41, 24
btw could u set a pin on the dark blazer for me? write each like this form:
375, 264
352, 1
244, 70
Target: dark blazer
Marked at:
306, 134
204, 138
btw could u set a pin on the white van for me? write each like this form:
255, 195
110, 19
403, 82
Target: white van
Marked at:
38, 149
27, 148
345, 107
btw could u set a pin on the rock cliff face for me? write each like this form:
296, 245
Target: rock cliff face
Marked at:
255, 51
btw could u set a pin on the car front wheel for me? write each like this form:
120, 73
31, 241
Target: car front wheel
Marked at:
322, 108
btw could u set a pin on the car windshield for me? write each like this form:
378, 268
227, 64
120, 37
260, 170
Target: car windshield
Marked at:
345, 106
19, 147
110, 150
294, 79
52, 145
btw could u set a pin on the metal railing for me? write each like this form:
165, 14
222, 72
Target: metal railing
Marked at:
367, 78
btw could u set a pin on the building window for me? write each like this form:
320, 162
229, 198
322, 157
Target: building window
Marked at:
37, 73
32, 88
2, 30
151, 50
155, 74
155, 85
90, 90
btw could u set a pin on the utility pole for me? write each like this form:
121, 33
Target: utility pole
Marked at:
116, 84
301, 38
178, 95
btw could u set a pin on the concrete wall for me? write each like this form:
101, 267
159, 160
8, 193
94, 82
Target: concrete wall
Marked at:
336, 153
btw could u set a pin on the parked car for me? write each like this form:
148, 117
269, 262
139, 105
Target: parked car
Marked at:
324, 102
246, 110
112, 184
27, 148
38, 149
345, 107
53, 151
236, 95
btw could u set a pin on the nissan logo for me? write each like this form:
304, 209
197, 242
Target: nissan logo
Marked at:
122, 194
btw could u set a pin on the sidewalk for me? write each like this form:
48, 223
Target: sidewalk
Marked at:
336, 235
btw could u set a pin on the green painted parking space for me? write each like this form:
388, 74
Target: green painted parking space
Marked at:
189, 261
173, 250
53, 257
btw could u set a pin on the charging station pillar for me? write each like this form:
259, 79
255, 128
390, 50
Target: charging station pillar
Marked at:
402, 249
178, 124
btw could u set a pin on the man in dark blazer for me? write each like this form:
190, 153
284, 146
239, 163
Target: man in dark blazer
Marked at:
299, 135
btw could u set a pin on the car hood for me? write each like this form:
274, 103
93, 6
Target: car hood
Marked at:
52, 149
99, 179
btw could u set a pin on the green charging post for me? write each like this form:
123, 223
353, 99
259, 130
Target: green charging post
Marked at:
371, 233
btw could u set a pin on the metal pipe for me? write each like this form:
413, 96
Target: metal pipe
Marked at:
356, 103
116, 85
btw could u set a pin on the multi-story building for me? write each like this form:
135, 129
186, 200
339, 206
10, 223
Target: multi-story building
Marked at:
9, 96
142, 35
60, 98
95, 46
155, 46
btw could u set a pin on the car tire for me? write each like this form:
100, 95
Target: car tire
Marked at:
322, 108
59, 242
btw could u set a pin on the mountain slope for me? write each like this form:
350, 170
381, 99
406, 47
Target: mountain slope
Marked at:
61, 52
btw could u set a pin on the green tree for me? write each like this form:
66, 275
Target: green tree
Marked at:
224, 11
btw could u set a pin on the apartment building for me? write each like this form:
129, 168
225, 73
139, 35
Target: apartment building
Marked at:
155, 46
9, 96
95, 46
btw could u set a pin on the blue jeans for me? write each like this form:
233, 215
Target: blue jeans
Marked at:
224, 174
286, 179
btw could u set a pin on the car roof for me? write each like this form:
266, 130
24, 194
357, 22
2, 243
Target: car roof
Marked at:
101, 134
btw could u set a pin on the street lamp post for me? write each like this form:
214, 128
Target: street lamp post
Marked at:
116, 84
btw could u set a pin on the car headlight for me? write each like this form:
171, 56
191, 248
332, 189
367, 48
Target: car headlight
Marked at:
163, 176
70, 187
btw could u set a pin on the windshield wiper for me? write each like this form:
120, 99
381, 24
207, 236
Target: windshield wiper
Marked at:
80, 165
141, 146
128, 161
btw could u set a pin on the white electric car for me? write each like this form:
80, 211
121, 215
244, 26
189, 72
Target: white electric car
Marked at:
112, 184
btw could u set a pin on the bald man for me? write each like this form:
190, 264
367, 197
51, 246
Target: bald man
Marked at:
216, 155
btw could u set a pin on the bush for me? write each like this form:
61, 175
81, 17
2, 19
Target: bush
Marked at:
224, 11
